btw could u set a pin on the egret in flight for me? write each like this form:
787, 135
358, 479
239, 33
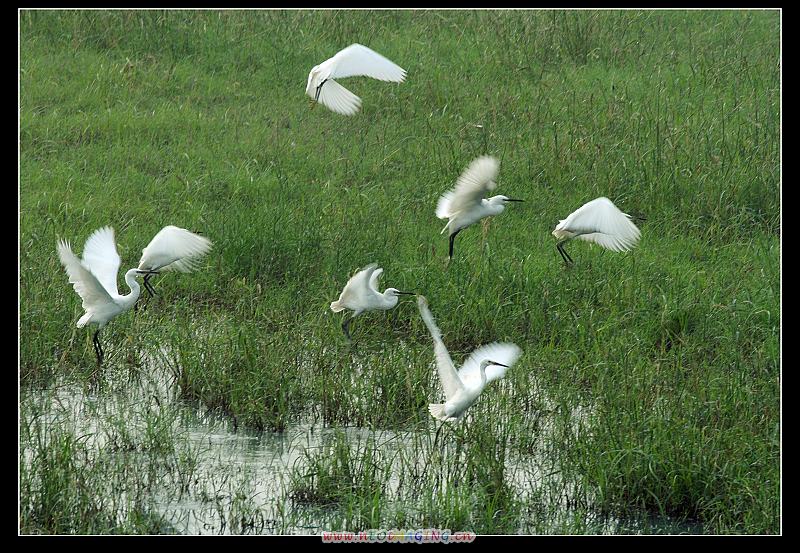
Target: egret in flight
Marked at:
354, 61
173, 248
466, 203
462, 388
598, 221
361, 294
95, 280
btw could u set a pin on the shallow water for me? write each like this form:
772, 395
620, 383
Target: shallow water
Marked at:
240, 481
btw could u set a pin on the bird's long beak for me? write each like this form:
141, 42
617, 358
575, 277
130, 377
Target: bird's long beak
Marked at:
500, 364
514, 200
407, 293
147, 272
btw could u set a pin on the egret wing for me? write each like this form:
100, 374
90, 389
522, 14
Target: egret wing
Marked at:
86, 284
359, 61
444, 365
505, 353
609, 241
337, 98
357, 287
601, 222
174, 248
472, 186
101, 258
373, 280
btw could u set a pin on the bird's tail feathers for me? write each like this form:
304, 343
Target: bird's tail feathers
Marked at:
84, 320
437, 411
336, 306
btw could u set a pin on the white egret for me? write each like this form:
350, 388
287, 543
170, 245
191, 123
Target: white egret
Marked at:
462, 388
173, 248
598, 221
361, 294
354, 61
465, 204
95, 280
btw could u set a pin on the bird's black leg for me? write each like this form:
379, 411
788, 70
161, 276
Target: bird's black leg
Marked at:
148, 286
558, 247
319, 89
94, 345
452, 239
98, 349
345, 327
438, 431
563, 249
564, 255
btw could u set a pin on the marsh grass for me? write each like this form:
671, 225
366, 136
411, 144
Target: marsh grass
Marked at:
91, 471
655, 373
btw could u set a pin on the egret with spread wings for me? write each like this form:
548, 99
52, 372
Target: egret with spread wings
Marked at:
173, 248
466, 203
462, 387
361, 294
598, 221
354, 61
95, 280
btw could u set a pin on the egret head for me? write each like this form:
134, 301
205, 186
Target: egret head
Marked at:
561, 234
488, 362
501, 200
392, 296
397, 293
314, 85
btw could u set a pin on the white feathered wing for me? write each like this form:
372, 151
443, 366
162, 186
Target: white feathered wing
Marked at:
601, 222
174, 248
505, 353
472, 186
355, 288
93, 294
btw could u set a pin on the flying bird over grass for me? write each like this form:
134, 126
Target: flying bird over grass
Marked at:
462, 388
354, 61
466, 203
95, 280
173, 248
598, 221
361, 294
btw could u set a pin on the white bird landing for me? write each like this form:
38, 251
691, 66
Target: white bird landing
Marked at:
95, 280
361, 294
462, 388
173, 248
354, 61
465, 204
598, 221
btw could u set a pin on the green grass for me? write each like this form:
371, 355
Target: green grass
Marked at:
199, 119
